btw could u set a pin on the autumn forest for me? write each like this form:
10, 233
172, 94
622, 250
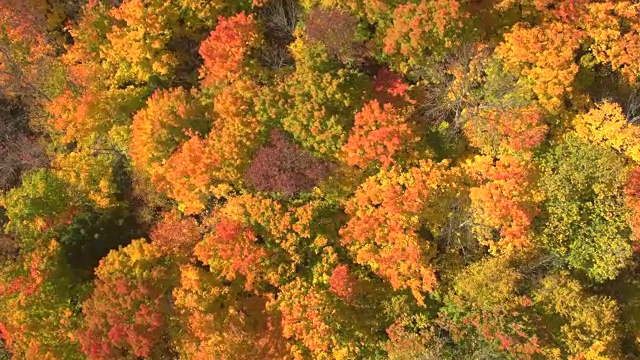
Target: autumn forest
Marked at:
319, 179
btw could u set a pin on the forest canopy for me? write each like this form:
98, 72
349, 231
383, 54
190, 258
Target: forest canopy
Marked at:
319, 179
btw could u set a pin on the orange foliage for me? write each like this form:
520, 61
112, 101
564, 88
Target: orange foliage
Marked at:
386, 213
176, 235
236, 130
428, 24
137, 45
290, 227
220, 323
342, 283
77, 117
202, 166
543, 55
25, 46
231, 250
186, 175
615, 31
310, 317
503, 200
380, 133
224, 50
162, 126
516, 129
632, 195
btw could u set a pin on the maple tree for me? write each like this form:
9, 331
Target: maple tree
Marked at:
128, 309
606, 125
434, 25
544, 56
589, 322
506, 130
177, 235
224, 50
319, 179
503, 200
380, 133
41, 204
40, 317
162, 126
386, 215
281, 166
222, 321
632, 195
484, 306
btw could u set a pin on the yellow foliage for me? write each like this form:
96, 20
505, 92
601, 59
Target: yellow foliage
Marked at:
606, 125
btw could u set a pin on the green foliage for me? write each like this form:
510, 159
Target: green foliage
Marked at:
582, 323
319, 179
322, 100
584, 218
40, 206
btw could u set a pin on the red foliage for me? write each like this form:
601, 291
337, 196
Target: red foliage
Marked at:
390, 87
380, 134
632, 194
122, 315
336, 30
232, 250
177, 235
126, 314
342, 283
224, 50
281, 166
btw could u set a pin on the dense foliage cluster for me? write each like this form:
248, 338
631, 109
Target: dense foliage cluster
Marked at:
319, 179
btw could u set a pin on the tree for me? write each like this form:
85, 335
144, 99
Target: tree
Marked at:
588, 326
606, 125
225, 49
41, 206
381, 134
615, 34
231, 250
92, 176
92, 113
318, 324
632, 196
483, 310
419, 25
187, 175
336, 30
223, 322
281, 166
176, 235
386, 218
37, 296
128, 311
163, 125
203, 168
321, 99
583, 217
503, 203
507, 130
543, 56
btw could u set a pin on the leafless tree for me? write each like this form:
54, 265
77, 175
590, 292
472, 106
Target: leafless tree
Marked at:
20, 149
279, 18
